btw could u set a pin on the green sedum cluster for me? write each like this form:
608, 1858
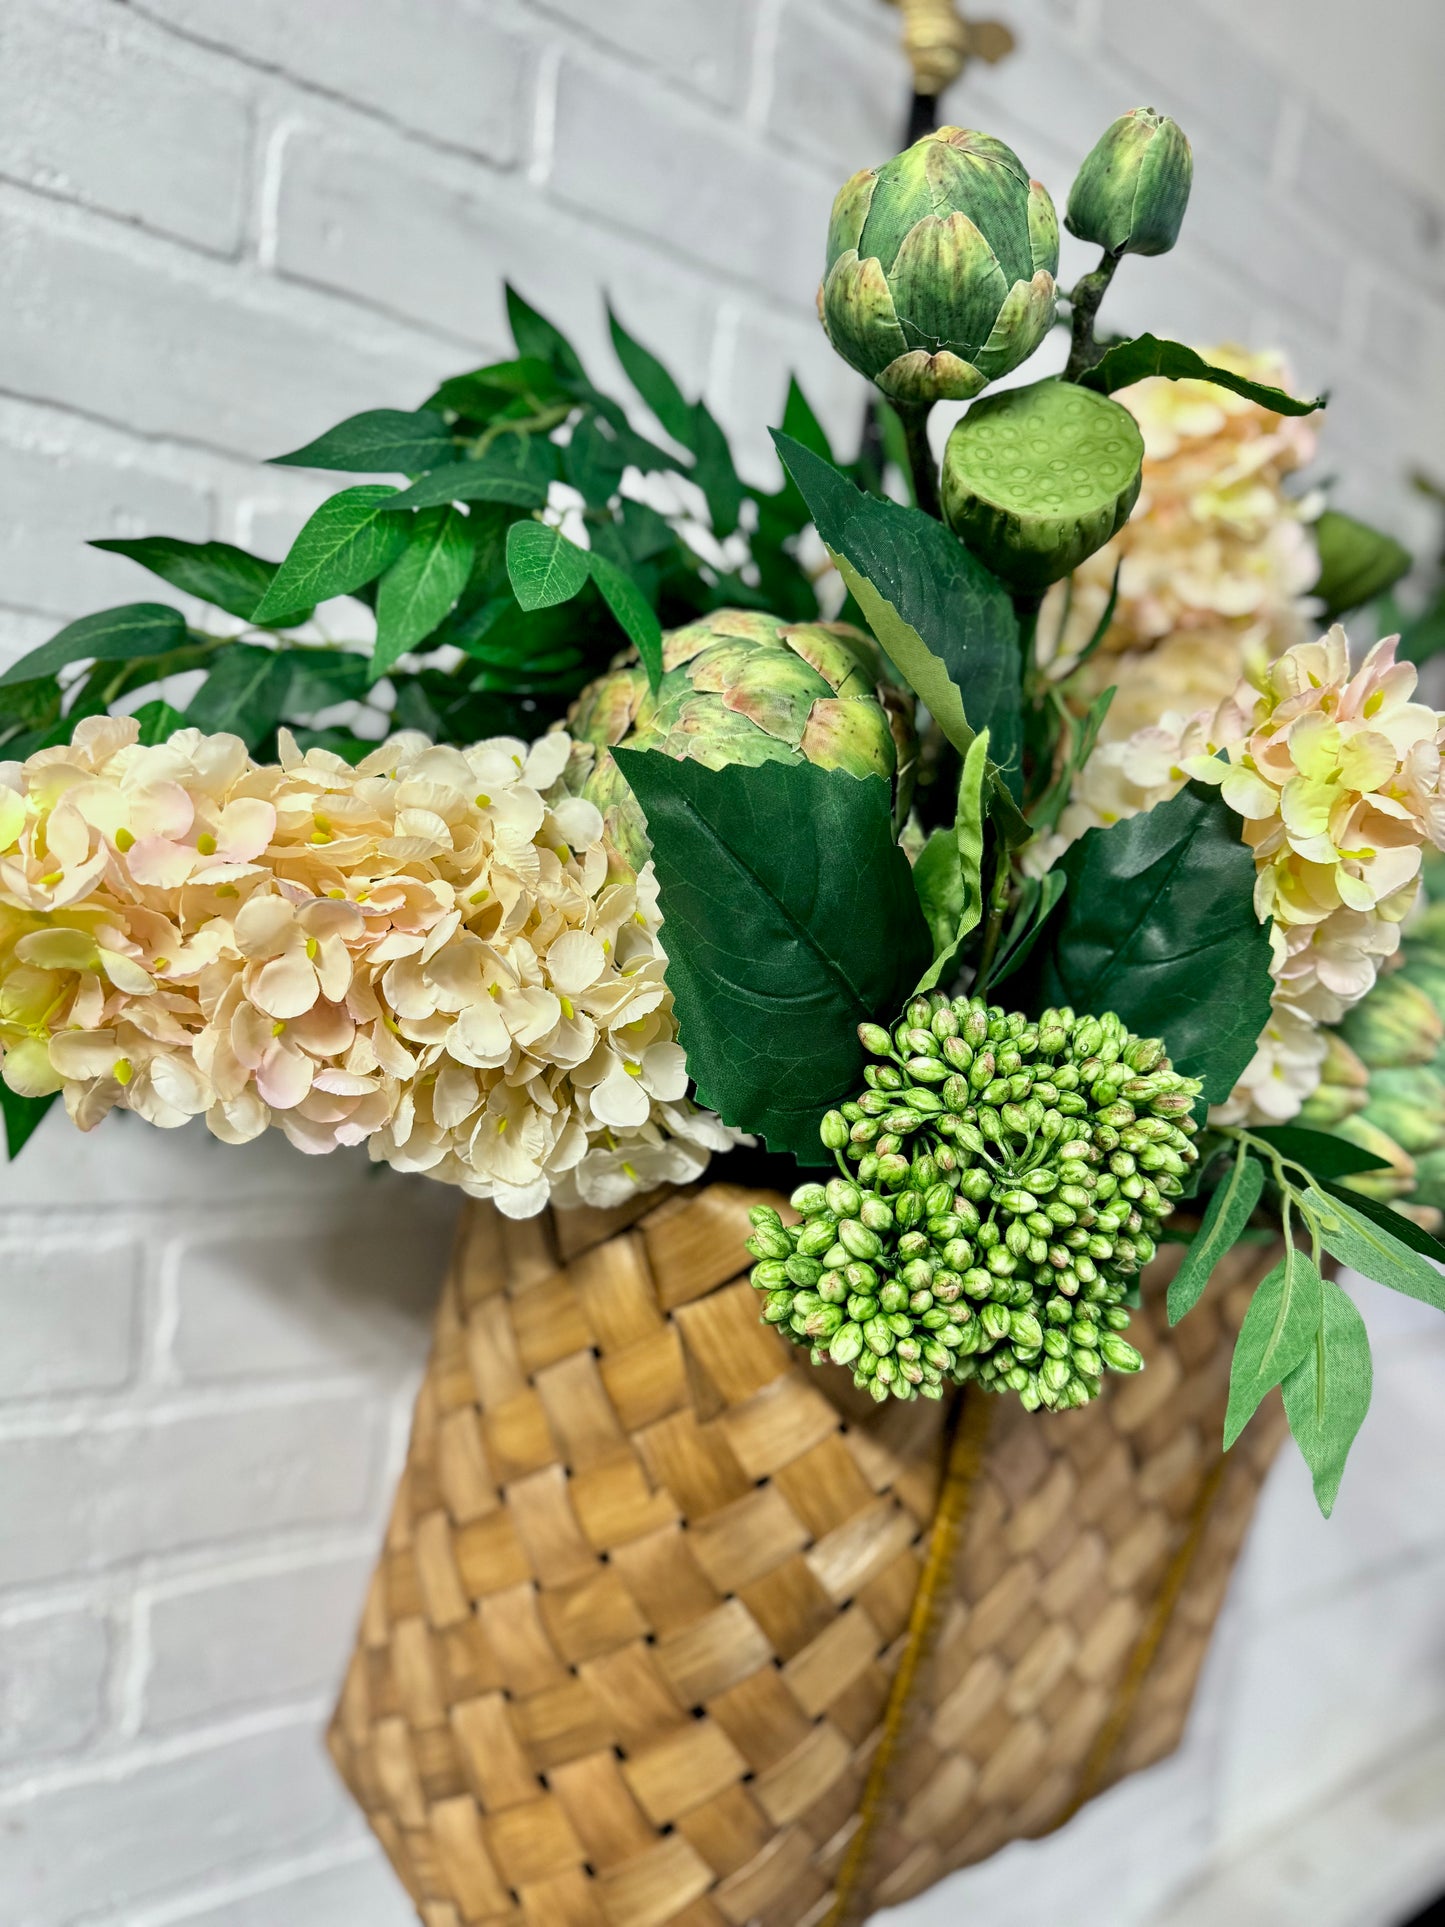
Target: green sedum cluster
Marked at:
1003, 1181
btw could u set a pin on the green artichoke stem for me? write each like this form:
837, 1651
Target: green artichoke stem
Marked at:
921, 464
1088, 291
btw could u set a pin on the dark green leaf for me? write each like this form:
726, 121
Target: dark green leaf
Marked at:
344, 545
484, 393
714, 473
21, 1115
1225, 1217
538, 340
1321, 1153
1105, 622
1130, 361
1279, 1328
1395, 1222
944, 620
215, 572
379, 441
633, 611
111, 635
341, 742
1357, 563
1422, 637
593, 462
158, 721
323, 676
1159, 926
777, 949
655, 385
1327, 1394
801, 424
950, 888
1373, 1249
422, 585
544, 567
245, 694
516, 469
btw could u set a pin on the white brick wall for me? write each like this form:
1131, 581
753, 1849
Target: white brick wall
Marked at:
223, 227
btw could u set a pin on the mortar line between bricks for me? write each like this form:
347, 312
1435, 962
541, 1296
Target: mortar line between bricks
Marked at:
130, 222
102, 1413
275, 1877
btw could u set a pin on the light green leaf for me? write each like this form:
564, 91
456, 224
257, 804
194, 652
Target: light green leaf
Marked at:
517, 470
1367, 1247
422, 585
1279, 1328
543, 566
379, 441
1327, 1394
633, 611
345, 544
110, 635
1395, 1222
951, 889
1130, 361
1225, 1217
216, 572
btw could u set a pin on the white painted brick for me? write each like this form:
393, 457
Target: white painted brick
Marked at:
440, 66
636, 158
55, 498
112, 1841
79, 1501
1396, 331
251, 1638
52, 1684
1199, 71
251, 1302
1050, 104
363, 1893
68, 1313
380, 223
766, 351
76, 84
706, 48
99, 320
1254, 233
1396, 224
838, 91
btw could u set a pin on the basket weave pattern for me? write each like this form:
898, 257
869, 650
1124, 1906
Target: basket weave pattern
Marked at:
626, 1654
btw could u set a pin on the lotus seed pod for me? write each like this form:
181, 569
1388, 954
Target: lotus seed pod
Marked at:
1130, 194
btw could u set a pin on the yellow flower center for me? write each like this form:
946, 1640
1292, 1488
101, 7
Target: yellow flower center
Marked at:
227, 890
278, 1026
479, 896
54, 878
124, 841
121, 1070
567, 1010
482, 800
313, 949
630, 1172
501, 1128
160, 963
494, 990
206, 844
633, 1070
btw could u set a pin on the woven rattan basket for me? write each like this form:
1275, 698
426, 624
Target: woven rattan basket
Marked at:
627, 1655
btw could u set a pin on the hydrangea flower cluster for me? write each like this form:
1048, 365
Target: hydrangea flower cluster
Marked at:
1337, 777
1216, 563
1009, 1178
423, 953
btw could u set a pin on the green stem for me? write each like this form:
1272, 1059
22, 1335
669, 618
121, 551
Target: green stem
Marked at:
921, 465
998, 907
1084, 352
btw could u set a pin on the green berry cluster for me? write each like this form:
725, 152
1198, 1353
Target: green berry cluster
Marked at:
1003, 1179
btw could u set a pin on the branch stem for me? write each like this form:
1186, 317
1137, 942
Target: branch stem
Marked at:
921, 464
1089, 290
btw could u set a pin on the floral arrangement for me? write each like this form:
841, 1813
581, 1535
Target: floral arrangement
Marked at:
1022, 991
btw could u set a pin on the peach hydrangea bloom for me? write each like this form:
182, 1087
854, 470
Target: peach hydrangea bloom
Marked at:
423, 953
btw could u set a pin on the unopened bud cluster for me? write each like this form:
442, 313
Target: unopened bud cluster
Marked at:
1004, 1179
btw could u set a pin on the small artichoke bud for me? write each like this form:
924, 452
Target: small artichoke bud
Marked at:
1130, 194
815, 1238
876, 1213
770, 1275
846, 1344
766, 1243
1118, 1353
843, 1199
877, 1336
858, 1240
875, 1039
808, 1199
834, 1131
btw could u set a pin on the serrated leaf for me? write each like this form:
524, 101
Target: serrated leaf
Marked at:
1373, 1249
110, 635
516, 470
244, 695
1279, 1328
1130, 361
21, 1115
1158, 925
950, 889
538, 339
946, 622
214, 572
655, 385
1321, 1153
1395, 1222
1225, 1217
633, 611
790, 919
1327, 1394
422, 585
378, 441
543, 566
801, 424
343, 546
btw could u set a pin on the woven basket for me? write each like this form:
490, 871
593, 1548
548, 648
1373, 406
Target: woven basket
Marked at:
649, 1575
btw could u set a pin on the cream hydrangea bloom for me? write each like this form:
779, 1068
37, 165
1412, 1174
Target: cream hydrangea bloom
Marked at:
423, 954
1337, 777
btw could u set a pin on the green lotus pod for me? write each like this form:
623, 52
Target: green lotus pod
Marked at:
1396, 1024
1037, 479
940, 268
1130, 194
739, 686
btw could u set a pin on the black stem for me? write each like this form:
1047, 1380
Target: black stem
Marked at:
1084, 352
922, 466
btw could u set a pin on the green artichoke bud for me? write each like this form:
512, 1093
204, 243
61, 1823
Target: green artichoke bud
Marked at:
1344, 1086
1408, 1104
940, 268
1036, 479
1130, 194
1396, 1024
739, 686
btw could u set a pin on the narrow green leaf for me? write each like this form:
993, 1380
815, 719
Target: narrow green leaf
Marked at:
801, 424
714, 473
633, 611
1321, 1153
110, 635
1373, 1249
593, 462
378, 441
1327, 1394
344, 545
21, 1115
245, 694
1028, 926
214, 572
1358, 564
543, 566
1130, 361
1395, 1222
516, 469
537, 339
1279, 1328
777, 947
1225, 1217
1159, 926
422, 585
1105, 622
951, 891
655, 385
